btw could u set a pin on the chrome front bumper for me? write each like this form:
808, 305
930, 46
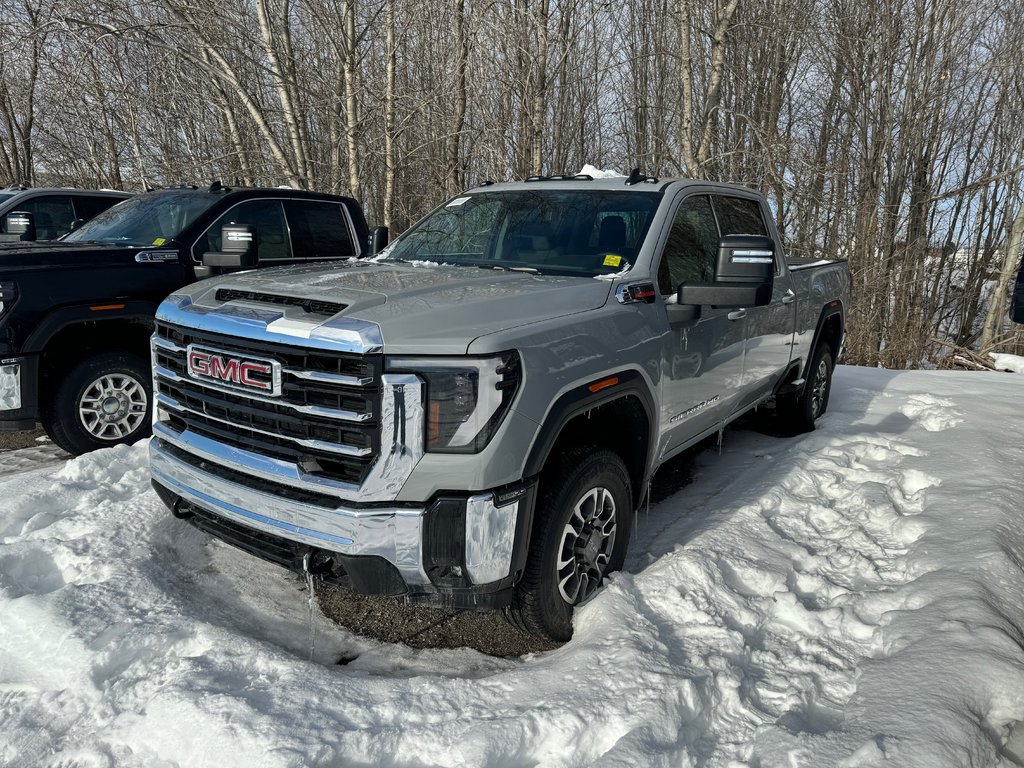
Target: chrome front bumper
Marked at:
394, 534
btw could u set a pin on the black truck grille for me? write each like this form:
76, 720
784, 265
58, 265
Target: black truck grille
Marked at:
326, 418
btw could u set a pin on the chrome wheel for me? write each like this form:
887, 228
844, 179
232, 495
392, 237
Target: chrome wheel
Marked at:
113, 406
585, 549
819, 388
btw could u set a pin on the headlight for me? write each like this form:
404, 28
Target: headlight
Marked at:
8, 293
467, 397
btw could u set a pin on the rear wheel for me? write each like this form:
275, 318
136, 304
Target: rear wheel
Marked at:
103, 401
798, 413
584, 516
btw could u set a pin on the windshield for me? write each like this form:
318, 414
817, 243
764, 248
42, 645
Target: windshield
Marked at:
5, 197
152, 219
565, 232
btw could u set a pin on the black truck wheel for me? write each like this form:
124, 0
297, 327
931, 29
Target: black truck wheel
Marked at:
798, 413
102, 401
584, 516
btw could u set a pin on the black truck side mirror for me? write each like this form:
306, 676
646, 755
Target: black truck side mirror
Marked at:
238, 248
20, 226
744, 276
378, 240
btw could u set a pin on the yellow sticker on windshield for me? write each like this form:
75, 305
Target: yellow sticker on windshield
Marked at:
160, 241
611, 260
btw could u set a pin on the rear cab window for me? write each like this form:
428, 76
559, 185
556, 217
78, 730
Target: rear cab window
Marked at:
320, 230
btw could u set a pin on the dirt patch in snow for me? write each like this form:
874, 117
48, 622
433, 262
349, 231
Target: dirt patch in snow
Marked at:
390, 620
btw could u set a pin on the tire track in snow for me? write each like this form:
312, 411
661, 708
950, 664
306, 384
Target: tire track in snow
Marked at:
45, 454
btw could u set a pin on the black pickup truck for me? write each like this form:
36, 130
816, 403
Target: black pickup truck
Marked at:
76, 314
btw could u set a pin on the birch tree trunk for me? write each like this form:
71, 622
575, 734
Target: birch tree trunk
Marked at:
996, 317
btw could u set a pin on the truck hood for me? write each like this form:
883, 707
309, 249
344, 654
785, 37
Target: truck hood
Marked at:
428, 309
54, 254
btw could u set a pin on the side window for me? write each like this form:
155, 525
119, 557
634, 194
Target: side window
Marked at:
319, 230
87, 207
54, 215
739, 216
692, 246
265, 216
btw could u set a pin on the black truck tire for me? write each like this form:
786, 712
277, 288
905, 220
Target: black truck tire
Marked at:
798, 413
103, 400
583, 521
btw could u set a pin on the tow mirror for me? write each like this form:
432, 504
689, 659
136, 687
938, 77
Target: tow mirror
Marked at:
744, 276
20, 226
378, 240
238, 246
1017, 307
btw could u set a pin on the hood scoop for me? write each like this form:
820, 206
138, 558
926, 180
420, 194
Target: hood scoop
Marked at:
310, 306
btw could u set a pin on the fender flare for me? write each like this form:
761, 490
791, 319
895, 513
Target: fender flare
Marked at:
833, 308
578, 401
131, 311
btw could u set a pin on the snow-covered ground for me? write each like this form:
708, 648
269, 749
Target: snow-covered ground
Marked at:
852, 597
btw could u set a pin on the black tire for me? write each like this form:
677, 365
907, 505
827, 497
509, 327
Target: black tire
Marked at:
539, 604
76, 415
799, 413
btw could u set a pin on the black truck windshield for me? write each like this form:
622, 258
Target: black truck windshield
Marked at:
567, 232
151, 219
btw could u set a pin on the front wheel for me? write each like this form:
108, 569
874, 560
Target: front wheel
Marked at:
798, 413
584, 516
104, 400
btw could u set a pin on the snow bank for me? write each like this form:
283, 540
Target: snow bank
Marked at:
854, 597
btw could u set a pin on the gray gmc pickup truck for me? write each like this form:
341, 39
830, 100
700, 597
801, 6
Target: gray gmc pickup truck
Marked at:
470, 418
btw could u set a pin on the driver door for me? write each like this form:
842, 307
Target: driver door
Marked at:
702, 360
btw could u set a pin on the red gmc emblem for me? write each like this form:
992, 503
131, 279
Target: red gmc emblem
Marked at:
236, 372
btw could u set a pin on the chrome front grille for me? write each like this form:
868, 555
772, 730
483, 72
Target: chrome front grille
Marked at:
326, 421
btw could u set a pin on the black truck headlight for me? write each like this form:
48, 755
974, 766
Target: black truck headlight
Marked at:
466, 399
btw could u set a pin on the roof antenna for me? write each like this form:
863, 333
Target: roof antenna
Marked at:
218, 187
635, 177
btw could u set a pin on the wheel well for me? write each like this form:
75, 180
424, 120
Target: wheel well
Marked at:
621, 426
831, 334
74, 343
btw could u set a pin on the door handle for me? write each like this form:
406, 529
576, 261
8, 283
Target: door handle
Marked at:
789, 298
739, 314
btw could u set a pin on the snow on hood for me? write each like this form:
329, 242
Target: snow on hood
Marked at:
852, 597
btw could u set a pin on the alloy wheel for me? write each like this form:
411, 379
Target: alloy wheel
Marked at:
113, 406
585, 549
820, 385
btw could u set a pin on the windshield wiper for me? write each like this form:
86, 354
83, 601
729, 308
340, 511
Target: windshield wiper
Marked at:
503, 268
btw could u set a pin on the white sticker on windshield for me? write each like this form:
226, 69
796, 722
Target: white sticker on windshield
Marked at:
457, 201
